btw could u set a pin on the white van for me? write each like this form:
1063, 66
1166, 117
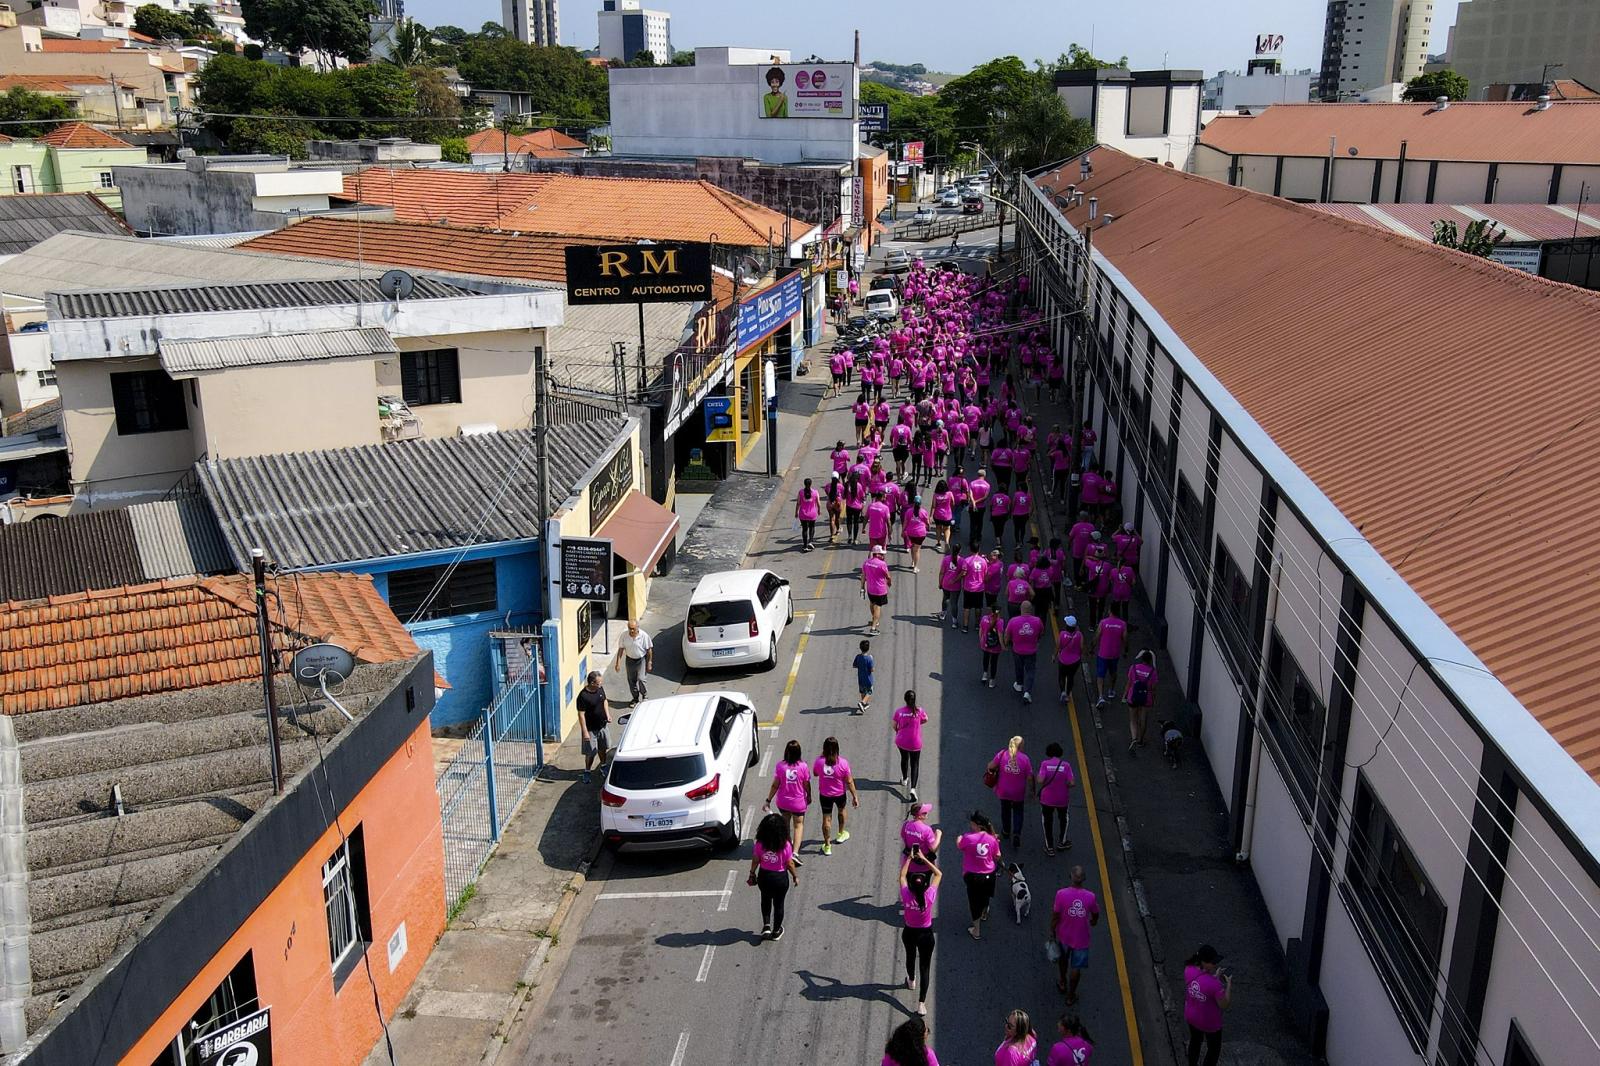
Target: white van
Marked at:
883, 305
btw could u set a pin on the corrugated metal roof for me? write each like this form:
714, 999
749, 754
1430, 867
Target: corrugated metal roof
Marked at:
181, 357
1441, 416
177, 538
328, 507
1523, 222
249, 296
29, 219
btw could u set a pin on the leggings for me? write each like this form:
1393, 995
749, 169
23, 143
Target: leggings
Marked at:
1212, 1041
808, 530
980, 890
991, 663
1066, 674
774, 885
1059, 814
997, 522
1011, 818
946, 598
1061, 482
852, 517
1019, 525
910, 765
919, 955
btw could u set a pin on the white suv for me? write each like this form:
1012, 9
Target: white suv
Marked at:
678, 772
737, 617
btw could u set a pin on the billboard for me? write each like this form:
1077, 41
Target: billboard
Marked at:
586, 568
874, 118
1269, 44
911, 152
808, 90
638, 273
770, 308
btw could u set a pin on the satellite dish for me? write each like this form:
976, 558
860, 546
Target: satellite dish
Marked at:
396, 284
312, 664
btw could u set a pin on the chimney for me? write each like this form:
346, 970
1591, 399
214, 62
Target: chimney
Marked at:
1441, 103
1543, 104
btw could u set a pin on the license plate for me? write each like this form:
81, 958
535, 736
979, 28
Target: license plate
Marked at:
717, 653
660, 823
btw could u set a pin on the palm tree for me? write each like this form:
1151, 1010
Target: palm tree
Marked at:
412, 44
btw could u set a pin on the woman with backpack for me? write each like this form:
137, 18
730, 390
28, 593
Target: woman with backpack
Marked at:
835, 496
1010, 774
1140, 695
990, 626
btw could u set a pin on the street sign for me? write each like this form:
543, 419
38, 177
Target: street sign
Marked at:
719, 420
585, 568
874, 118
638, 273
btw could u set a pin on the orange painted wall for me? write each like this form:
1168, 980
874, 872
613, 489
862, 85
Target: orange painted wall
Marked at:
875, 184
288, 934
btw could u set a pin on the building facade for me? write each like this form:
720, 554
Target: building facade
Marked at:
1415, 800
626, 29
1373, 43
532, 21
74, 157
1153, 114
1525, 41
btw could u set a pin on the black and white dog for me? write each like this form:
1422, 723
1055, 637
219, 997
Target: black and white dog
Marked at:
1021, 897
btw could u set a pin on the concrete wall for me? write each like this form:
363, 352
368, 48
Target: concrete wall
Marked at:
165, 200
286, 407
1454, 182
1262, 90
22, 357
715, 109
109, 470
496, 381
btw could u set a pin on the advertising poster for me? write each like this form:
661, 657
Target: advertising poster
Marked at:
808, 90
874, 118
912, 153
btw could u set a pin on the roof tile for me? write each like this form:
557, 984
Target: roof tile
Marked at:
81, 135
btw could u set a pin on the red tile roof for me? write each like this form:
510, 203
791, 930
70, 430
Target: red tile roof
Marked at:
543, 144
82, 135
601, 208
1569, 132
1440, 400
173, 635
1523, 222
58, 83
74, 44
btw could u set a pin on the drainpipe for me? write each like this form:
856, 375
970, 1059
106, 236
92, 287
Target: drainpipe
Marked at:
1400, 174
1252, 789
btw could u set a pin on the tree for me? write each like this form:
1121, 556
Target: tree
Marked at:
35, 113
562, 83
980, 99
153, 20
454, 150
913, 118
1077, 57
1479, 238
435, 100
643, 58
1038, 129
683, 59
1429, 87
329, 27
411, 46
272, 136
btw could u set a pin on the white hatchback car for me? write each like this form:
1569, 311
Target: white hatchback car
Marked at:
678, 773
737, 617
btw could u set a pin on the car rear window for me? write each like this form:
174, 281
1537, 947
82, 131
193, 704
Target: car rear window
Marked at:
668, 771
721, 613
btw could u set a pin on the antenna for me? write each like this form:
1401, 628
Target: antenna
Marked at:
314, 664
396, 284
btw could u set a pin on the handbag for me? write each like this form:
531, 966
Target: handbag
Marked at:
991, 776
1052, 949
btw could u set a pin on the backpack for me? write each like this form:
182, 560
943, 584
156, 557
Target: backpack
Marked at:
1139, 695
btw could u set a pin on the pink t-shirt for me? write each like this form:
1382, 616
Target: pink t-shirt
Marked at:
1013, 783
950, 573
989, 627
916, 523
919, 916
1018, 589
1075, 908
877, 520
1016, 1054
775, 861
831, 779
1078, 538
875, 571
1069, 647
1113, 634
792, 779
1146, 673
978, 852
979, 488
999, 505
1055, 782
908, 728
1122, 579
1023, 633
807, 504
1073, 1051
973, 571
1201, 1007
943, 506
916, 833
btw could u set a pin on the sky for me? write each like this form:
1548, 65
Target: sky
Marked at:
955, 35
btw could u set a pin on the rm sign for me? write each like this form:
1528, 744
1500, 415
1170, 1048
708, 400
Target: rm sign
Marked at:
638, 273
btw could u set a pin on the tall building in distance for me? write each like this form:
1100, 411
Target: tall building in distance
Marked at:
1373, 43
532, 21
1523, 41
394, 10
626, 29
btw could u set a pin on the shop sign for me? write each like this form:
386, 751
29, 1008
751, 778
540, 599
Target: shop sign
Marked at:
585, 568
858, 206
638, 273
807, 90
246, 1042
874, 118
609, 486
1523, 258
719, 420
764, 312
911, 152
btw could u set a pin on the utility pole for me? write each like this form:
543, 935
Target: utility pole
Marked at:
619, 372
641, 355
258, 569
541, 442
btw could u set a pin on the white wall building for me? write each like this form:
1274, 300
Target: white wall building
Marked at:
716, 108
626, 29
1373, 42
1417, 795
1232, 91
532, 21
1512, 41
224, 194
1153, 114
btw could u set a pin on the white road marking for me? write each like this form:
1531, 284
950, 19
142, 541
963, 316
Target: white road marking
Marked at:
727, 895
661, 895
705, 964
766, 761
682, 1049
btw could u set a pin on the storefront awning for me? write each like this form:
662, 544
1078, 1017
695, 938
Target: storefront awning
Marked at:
640, 530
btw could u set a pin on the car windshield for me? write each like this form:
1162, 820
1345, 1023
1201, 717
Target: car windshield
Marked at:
721, 613
668, 771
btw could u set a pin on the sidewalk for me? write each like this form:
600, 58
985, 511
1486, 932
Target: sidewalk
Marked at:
487, 962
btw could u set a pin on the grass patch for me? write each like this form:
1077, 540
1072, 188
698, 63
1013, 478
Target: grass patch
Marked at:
461, 904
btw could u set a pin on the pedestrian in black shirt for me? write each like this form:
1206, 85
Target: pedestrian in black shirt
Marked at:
594, 718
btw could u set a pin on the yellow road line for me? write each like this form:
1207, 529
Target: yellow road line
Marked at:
794, 672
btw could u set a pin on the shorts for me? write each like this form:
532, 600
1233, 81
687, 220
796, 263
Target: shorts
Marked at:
876, 600
941, 524
972, 601
900, 454
830, 802
1104, 667
864, 690
915, 540
838, 377
597, 741
1077, 958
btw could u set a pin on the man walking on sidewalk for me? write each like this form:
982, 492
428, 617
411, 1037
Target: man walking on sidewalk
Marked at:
594, 719
639, 652
1076, 910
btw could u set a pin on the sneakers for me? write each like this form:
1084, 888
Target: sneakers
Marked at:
1063, 695
905, 782
844, 834
1016, 686
586, 777
827, 849
911, 980
766, 930
913, 795
1027, 697
1048, 850
984, 679
922, 1008
991, 682
797, 860
777, 934
1065, 844
1101, 702
861, 707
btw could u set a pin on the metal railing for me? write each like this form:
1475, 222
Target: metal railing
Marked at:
482, 785
569, 405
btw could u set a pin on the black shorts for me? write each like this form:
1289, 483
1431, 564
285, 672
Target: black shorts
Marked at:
941, 523
830, 802
915, 540
877, 600
972, 601
838, 377
900, 453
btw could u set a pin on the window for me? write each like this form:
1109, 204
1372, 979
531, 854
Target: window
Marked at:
21, 178
429, 377
105, 180
1190, 529
418, 595
233, 999
1158, 473
722, 723
1295, 718
344, 896
768, 588
45, 378
1397, 911
661, 771
1231, 615
147, 401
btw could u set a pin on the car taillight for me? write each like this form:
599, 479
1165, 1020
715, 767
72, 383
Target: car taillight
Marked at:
610, 798
754, 632
707, 790
688, 631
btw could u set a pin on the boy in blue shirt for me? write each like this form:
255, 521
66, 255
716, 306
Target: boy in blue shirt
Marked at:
863, 664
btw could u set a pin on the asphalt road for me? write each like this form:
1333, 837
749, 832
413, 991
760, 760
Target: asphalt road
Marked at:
667, 966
